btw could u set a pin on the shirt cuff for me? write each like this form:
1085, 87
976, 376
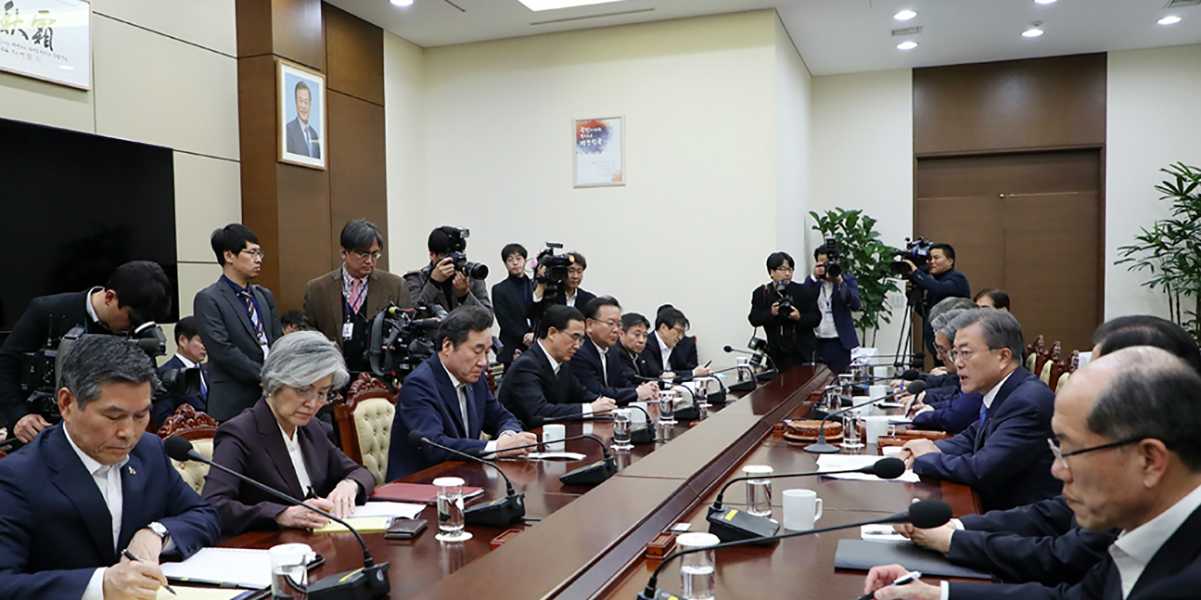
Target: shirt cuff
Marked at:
537, 296
95, 589
490, 447
958, 524
586, 410
945, 593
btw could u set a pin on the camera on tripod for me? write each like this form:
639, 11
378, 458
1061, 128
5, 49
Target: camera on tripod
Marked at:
458, 248
833, 259
916, 251
554, 268
401, 339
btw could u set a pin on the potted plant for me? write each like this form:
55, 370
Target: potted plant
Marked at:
864, 255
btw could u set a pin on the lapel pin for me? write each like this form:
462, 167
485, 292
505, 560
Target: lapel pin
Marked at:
132, 472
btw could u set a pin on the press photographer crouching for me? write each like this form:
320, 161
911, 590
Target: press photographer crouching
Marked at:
931, 269
787, 311
837, 296
449, 280
136, 295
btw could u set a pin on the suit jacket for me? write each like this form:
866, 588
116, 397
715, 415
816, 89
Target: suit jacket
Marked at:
652, 354
46, 315
582, 298
429, 404
1173, 574
606, 381
234, 356
424, 290
632, 367
1050, 559
512, 300
788, 342
55, 529
531, 390
952, 415
844, 300
165, 405
253, 445
323, 300
295, 139
1050, 517
1006, 460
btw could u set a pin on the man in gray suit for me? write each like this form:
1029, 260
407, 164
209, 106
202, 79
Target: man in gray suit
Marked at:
302, 138
238, 322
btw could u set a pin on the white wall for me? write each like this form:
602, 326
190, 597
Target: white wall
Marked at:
862, 158
1151, 122
793, 147
164, 73
703, 122
404, 119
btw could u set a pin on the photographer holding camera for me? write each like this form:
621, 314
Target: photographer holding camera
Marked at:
787, 311
137, 292
837, 295
937, 279
450, 280
557, 280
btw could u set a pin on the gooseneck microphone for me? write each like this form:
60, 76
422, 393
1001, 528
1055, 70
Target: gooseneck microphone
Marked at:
494, 513
732, 524
923, 514
368, 582
590, 474
822, 447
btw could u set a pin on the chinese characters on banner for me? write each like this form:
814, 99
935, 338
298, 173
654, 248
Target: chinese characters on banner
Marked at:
599, 152
47, 39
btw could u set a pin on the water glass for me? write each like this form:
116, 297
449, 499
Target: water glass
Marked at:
698, 571
621, 429
667, 406
450, 510
850, 431
290, 571
758, 491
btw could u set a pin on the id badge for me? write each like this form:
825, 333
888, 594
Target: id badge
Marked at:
347, 331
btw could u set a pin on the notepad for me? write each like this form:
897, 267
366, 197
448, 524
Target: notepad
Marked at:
361, 524
404, 510
839, 462
239, 567
555, 456
199, 593
400, 491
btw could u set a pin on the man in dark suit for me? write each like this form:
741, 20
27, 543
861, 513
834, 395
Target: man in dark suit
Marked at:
570, 294
665, 349
301, 137
238, 321
1003, 455
96, 485
342, 303
439, 282
447, 400
1127, 446
540, 385
627, 352
591, 364
938, 281
136, 292
189, 354
512, 299
837, 296
790, 339
946, 408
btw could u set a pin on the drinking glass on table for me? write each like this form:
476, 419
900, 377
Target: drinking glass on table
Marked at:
290, 571
621, 429
450, 510
850, 431
667, 406
697, 570
758, 491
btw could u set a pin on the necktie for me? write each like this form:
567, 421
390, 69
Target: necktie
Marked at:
463, 410
983, 414
254, 317
204, 388
356, 295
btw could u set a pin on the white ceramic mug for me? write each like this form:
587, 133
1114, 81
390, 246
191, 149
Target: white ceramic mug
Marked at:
866, 410
553, 435
874, 427
802, 509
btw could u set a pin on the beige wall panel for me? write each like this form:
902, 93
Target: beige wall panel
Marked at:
25, 99
208, 23
208, 194
194, 277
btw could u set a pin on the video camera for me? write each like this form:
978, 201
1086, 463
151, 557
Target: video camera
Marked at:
916, 251
833, 259
401, 339
458, 248
555, 275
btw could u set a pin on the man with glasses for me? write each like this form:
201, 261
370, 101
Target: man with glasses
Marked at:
540, 384
1003, 454
626, 354
238, 322
591, 364
947, 409
342, 303
787, 311
1127, 446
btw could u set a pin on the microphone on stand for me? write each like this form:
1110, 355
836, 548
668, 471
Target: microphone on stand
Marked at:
370, 581
822, 447
733, 524
589, 474
494, 513
923, 514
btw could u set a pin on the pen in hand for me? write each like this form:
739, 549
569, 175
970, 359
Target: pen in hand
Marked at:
127, 554
905, 579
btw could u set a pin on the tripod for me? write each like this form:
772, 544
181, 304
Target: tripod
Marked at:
913, 304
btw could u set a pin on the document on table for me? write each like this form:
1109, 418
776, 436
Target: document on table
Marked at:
240, 567
880, 533
404, 510
840, 462
361, 524
199, 593
555, 456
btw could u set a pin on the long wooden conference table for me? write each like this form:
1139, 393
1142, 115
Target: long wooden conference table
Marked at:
589, 541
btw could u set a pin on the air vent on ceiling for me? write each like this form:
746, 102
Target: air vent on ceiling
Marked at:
915, 30
1180, 3
600, 16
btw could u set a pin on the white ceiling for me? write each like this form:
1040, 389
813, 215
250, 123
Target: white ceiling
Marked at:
833, 36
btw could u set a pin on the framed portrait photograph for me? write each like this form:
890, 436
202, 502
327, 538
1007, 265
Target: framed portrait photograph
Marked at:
302, 118
599, 152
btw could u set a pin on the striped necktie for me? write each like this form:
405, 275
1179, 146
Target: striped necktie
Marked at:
254, 316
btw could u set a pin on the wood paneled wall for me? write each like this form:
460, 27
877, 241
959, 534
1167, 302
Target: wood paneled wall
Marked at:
298, 212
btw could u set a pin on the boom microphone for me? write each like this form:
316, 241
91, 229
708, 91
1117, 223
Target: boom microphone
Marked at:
822, 447
495, 513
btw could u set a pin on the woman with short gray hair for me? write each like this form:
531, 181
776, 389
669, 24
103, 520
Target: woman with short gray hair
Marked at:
278, 442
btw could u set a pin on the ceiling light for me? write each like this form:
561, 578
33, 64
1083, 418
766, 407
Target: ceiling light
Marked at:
540, 5
1035, 30
1169, 20
402, 3
907, 45
905, 14
1044, 1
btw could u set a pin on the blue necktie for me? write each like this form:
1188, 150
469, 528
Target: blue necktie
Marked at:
983, 414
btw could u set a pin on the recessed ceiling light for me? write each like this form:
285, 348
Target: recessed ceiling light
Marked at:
540, 5
1169, 20
1044, 1
1035, 30
905, 14
402, 3
907, 45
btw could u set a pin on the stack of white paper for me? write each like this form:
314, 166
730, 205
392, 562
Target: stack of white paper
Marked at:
840, 462
402, 510
239, 567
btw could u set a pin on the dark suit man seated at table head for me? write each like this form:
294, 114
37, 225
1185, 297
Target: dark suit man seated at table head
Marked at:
671, 326
540, 385
1003, 454
278, 442
591, 363
1127, 446
447, 400
627, 352
189, 354
95, 485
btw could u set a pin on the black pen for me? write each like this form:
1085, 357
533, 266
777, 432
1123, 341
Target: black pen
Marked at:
127, 554
905, 579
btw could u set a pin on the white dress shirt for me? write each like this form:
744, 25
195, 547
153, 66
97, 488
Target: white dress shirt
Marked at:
554, 364
461, 393
664, 351
1134, 549
108, 480
992, 394
190, 364
825, 301
297, 456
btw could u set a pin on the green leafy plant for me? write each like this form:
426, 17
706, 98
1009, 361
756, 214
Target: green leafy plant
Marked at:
1170, 249
867, 258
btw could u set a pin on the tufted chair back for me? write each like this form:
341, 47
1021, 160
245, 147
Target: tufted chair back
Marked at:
194, 472
365, 424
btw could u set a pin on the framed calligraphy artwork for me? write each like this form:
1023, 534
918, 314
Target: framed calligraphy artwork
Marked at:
49, 40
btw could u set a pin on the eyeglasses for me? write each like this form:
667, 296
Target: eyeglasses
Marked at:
610, 322
966, 353
784, 269
256, 253
1061, 456
374, 256
313, 394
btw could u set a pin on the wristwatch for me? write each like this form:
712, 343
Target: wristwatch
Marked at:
160, 531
